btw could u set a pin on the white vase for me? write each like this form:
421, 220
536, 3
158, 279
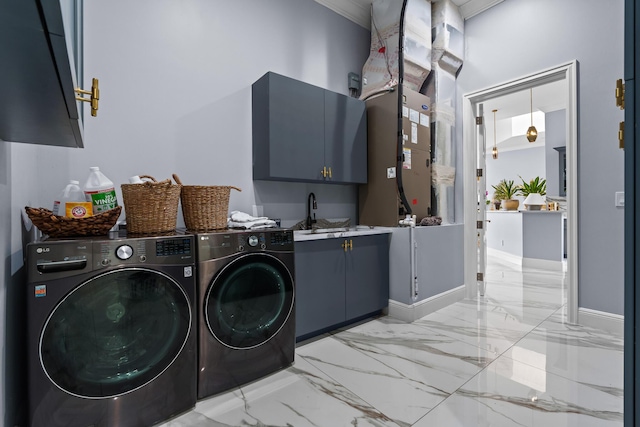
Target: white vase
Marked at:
534, 202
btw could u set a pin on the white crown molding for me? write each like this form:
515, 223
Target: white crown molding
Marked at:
474, 7
356, 11
359, 11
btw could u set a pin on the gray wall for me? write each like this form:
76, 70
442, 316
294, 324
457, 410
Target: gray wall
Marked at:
520, 37
175, 97
510, 165
555, 135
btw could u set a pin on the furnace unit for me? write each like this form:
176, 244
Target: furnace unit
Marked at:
391, 176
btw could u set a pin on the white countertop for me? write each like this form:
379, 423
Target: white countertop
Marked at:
528, 212
338, 233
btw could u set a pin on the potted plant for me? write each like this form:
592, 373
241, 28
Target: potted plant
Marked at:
505, 191
533, 192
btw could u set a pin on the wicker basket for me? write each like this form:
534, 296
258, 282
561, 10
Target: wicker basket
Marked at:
151, 207
205, 207
62, 226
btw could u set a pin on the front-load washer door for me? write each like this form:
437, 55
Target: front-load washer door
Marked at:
249, 301
115, 333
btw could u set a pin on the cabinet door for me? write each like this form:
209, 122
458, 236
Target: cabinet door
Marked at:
320, 295
367, 275
345, 138
37, 98
288, 129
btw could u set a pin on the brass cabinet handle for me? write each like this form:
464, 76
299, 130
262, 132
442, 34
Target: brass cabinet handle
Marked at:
620, 94
621, 136
347, 245
620, 103
323, 172
94, 96
330, 172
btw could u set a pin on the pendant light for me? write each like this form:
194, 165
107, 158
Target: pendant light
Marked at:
532, 132
494, 151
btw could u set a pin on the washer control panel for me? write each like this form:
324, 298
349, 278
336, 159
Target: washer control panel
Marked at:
221, 244
152, 250
266, 240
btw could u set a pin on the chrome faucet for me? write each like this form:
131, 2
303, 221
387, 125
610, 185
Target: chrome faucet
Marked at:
310, 221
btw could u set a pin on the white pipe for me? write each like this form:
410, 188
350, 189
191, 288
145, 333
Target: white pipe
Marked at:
413, 261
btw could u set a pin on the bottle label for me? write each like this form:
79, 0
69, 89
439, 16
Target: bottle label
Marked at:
78, 209
103, 200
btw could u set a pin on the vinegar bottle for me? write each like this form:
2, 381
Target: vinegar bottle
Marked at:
99, 190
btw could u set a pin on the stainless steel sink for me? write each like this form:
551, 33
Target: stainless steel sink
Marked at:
323, 226
323, 230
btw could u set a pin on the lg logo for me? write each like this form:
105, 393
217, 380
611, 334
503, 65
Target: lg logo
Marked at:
42, 250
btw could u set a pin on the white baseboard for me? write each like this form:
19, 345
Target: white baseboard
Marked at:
609, 322
543, 264
505, 256
413, 312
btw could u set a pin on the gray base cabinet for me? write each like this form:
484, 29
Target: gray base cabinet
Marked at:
335, 286
307, 134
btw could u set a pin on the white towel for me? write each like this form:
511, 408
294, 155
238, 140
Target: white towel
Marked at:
237, 216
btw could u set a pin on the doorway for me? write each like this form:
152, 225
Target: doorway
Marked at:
568, 73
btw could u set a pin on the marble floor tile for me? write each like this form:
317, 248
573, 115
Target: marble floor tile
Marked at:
510, 393
396, 387
508, 358
585, 355
402, 369
300, 395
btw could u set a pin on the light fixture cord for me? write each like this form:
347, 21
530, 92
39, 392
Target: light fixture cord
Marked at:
494, 127
531, 99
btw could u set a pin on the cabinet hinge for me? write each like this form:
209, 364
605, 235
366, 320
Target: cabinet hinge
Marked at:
480, 277
479, 225
479, 173
479, 120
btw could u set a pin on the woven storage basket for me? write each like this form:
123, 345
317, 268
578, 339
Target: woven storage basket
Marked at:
205, 207
62, 226
151, 207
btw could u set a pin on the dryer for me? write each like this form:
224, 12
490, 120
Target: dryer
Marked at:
111, 330
246, 296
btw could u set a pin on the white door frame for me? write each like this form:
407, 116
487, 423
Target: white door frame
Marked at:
568, 72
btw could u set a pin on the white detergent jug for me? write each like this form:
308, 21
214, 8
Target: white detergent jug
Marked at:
72, 202
99, 190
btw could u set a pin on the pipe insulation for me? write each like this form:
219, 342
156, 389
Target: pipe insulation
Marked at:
446, 60
382, 71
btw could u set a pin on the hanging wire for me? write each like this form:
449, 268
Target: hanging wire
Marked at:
494, 151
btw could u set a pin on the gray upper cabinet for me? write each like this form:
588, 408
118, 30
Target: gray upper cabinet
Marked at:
305, 133
345, 134
37, 98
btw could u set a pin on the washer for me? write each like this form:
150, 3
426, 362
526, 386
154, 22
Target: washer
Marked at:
111, 330
246, 297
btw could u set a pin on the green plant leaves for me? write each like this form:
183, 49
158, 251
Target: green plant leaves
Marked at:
505, 190
536, 185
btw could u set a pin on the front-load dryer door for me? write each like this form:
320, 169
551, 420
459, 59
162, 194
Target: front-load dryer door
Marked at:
249, 301
115, 333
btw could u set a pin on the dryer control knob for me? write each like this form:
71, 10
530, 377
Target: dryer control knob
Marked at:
253, 241
124, 252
